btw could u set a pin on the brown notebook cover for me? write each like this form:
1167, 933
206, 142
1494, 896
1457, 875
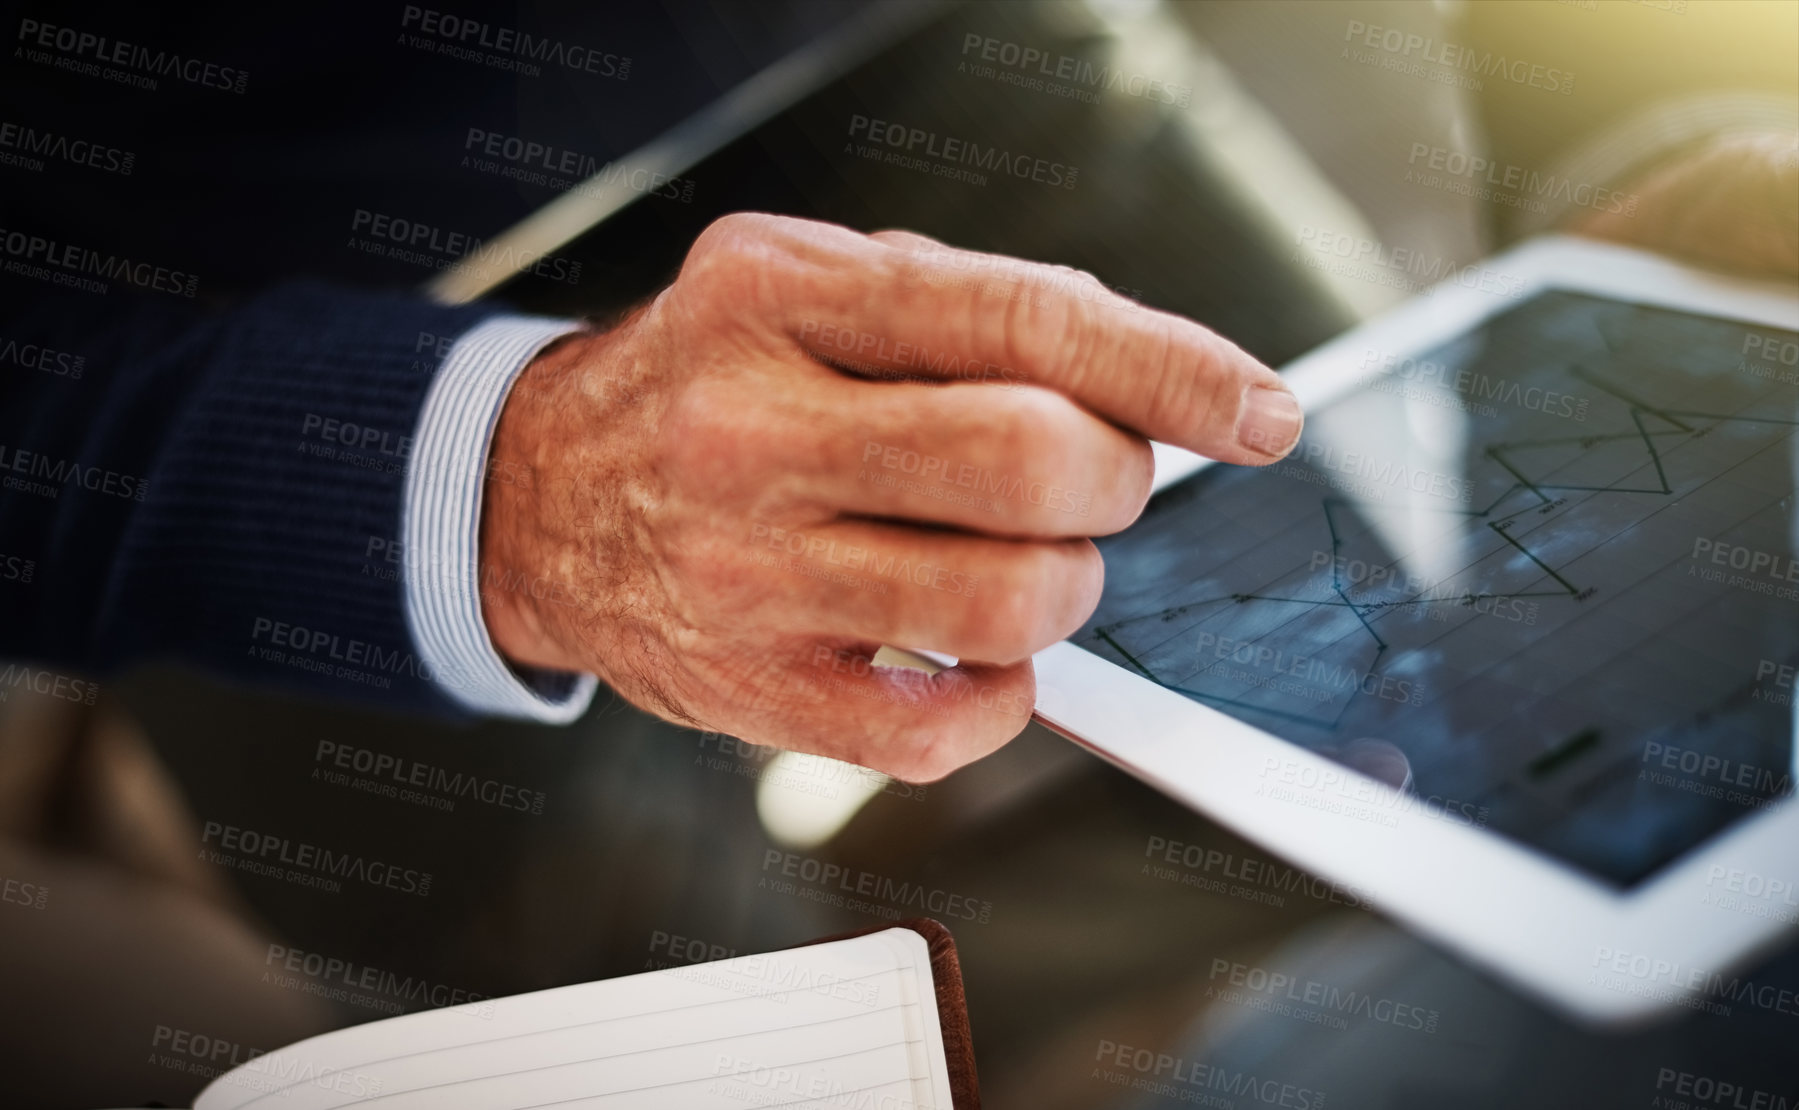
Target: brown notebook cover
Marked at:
952, 1004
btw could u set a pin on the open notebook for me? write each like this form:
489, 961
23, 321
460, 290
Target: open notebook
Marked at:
839, 1025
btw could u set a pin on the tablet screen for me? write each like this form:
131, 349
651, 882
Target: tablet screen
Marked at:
1543, 577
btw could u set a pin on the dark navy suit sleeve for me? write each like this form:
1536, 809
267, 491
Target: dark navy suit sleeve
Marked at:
222, 487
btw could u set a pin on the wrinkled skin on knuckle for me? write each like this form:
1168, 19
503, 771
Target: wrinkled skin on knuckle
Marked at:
789, 702
709, 576
1044, 592
1063, 332
1085, 578
1042, 596
730, 235
1140, 478
997, 624
689, 542
922, 749
762, 696
1181, 392
721, 442
1030, 436
1094, 290
725, 274
1132, 483
1050, 439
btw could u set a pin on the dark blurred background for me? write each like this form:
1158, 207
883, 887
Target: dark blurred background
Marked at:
651, 841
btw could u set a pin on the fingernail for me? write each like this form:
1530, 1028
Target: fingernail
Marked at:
1270, 422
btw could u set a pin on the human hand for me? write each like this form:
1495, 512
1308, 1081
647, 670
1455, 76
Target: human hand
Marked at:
1732, 203
743, 526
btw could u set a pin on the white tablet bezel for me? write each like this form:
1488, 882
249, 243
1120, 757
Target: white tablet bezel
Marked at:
1583, 947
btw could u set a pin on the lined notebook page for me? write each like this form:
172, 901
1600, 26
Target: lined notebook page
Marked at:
841, 1026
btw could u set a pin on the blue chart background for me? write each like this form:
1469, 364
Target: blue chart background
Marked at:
1512, 557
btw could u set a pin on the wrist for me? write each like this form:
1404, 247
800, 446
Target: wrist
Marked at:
517, 583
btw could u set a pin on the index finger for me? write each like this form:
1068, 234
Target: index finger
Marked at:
921, 308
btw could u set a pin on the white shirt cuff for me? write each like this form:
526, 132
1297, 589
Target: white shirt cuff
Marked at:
441, 528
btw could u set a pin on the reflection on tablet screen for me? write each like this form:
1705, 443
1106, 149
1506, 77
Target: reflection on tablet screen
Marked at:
1546, 574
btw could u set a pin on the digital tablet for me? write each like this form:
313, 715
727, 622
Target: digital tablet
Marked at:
1508, 643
